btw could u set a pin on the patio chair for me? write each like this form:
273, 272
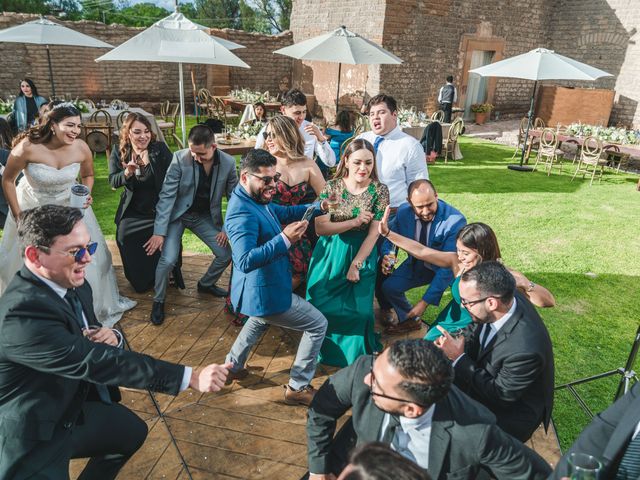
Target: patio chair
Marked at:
547, 151
450, 143
534, 141
204, 99
539, 123
98, 132
438, 116
590, 161
90, 103
361, 124
614, 157
167, 124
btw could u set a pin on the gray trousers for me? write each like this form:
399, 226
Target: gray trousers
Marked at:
201, 224
303, 317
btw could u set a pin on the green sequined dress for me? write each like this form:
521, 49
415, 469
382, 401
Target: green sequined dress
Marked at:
348, 306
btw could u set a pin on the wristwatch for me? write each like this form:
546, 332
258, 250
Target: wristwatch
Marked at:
531, 286
359, 265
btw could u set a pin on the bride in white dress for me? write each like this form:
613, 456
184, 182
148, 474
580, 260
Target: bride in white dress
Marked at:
51, 157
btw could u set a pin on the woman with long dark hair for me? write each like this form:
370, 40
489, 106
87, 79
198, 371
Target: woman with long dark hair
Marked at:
27, 105
53, 158
476, 243
342, 272
138, 166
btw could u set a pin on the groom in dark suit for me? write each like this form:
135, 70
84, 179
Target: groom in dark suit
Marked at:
404, 398
59, 369
507, 363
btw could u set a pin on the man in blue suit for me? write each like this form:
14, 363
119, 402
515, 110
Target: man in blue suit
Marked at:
431, 222
261, 281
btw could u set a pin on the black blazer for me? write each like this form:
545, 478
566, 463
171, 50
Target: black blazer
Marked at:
513, 376
431, 139
464, 436
159, 158
47, 367
607, 436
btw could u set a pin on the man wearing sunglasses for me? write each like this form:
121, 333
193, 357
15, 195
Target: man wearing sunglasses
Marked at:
507, 363
58, 383
404, 398
261, 285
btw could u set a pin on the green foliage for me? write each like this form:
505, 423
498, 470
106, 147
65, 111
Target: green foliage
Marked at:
67, 9
139, 15
275, 12
218, 13
481, 107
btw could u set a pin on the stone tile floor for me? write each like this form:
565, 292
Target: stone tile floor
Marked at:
245, 431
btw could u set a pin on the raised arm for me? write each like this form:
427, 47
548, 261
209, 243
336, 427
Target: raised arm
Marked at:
537, 294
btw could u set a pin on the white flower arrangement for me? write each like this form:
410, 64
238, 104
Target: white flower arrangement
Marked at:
6, 106
251, 96
605, 134
409, 117
247, 130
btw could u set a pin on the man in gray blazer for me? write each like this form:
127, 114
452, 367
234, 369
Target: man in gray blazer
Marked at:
405, 398
191, 197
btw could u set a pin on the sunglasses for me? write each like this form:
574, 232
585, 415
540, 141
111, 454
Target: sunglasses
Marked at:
268, 135
267, 179
77, 254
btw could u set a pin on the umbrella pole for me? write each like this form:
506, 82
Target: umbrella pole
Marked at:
53, 85
182, 116
521, 167
338, 92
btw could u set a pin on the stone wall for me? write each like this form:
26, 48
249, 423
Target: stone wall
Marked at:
77, 74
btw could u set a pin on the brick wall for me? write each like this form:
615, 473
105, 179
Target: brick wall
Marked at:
76, 73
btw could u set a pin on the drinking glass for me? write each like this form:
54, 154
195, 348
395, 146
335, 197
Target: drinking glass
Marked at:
79, 194
584, 467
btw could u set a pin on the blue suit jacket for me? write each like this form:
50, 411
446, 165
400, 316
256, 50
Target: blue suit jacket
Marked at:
442, 236
261, 283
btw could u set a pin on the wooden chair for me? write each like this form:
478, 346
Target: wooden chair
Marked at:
521, 131
449, 145
538, 123
590, 160
547, 151
204, 100
438, 116
98, 132
169, 120
360, 125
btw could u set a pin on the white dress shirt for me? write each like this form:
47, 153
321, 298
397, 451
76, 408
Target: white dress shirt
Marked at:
61, 292
412, 437
400, 160
311, 144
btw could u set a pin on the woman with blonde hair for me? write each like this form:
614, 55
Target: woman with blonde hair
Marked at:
342, 273
300, 181
138, 166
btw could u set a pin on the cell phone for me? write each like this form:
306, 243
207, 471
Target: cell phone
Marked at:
308, 214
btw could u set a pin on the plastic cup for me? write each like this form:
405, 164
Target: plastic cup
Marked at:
79, 194
584, 467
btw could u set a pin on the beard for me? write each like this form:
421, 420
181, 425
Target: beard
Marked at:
257, 196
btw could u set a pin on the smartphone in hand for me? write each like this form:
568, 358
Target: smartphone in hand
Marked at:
308, 214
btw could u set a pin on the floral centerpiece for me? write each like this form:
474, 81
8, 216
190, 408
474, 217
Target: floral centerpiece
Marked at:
6, 106
82, 107
247, 130
409, 117
251, 96
605, 134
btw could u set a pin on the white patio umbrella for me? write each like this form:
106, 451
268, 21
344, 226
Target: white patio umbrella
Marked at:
176, 39
45, 32
539, 64
341, 46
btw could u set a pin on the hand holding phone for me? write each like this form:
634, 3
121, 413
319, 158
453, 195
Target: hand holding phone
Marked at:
308, 214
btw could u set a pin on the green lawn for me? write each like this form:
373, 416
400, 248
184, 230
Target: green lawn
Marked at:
581, 242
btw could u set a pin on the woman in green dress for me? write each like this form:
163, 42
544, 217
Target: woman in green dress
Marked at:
476, 242
342, 272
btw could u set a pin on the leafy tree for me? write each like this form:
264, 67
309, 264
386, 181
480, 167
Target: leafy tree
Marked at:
98, 10
253, 21
219, 13
276, 12
139, 15
188, 10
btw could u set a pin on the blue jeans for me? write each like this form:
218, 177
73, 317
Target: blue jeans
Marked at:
301, 316
411, 274
202, 226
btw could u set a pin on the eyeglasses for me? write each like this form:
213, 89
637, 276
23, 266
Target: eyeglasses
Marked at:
268, 135
382, 395
267, 179
471, 303
77, 254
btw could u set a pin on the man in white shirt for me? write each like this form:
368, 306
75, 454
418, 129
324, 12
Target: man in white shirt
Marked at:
447, 96
59, 368
404, 398
294, 106
507, 362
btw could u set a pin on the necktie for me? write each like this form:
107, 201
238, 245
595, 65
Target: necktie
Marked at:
485, 336
72, 297
390, 432
422, 238
377, 143
630, 464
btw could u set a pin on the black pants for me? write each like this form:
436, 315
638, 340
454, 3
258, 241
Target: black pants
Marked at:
446, 108
109, 436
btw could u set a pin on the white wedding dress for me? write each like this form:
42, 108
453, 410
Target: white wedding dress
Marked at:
41, 185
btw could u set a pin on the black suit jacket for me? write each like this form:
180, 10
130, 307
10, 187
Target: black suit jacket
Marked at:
464, 436
513, 376
159, 158
47, 368
607, 436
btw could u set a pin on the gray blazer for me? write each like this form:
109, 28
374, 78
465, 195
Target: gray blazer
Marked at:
464, 437
179, 188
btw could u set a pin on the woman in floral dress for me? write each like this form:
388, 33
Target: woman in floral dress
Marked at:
342, 273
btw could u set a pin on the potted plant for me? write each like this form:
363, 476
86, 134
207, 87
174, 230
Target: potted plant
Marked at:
482, 111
